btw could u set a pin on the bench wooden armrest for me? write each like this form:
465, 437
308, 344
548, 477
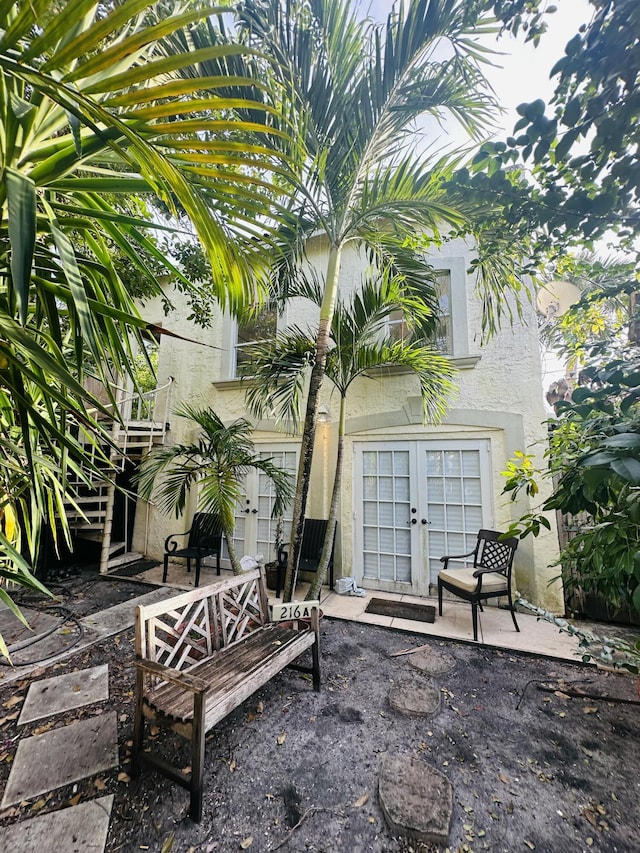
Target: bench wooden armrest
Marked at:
173, 676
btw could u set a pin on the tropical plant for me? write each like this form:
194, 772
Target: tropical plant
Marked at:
355, 91
94, 115
215, 464
580, 149
594, 461
360, 346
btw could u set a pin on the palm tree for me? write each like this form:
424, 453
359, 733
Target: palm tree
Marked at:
93, 115
356, 91
360, 346
216, 464
101, 126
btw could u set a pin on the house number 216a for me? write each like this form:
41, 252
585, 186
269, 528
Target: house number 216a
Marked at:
293, 610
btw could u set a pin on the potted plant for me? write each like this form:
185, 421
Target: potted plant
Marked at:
271, 568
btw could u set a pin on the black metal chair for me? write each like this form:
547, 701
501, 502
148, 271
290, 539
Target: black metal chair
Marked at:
313, 534
205, 540
490, 576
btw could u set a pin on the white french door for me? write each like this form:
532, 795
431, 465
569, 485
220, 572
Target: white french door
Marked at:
414, 502
255, 531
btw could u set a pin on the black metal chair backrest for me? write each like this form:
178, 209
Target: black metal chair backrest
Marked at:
206, 531
493, 553
313, 538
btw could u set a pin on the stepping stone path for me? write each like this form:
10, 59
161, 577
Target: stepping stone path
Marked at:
59, 757
432, 662
415, 798
80, 829
65, 692
419, 700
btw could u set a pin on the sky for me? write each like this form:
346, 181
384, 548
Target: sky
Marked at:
523, 72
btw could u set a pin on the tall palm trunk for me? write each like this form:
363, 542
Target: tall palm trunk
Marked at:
311, 416
233, 555
330, 535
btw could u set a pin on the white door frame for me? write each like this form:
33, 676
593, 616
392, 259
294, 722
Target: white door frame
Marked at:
248, 512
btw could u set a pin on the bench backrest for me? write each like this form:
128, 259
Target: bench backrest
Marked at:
182, 630
206, 531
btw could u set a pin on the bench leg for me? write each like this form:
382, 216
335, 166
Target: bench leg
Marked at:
166, 568
197, 571
315, 652
197, 758
138, 726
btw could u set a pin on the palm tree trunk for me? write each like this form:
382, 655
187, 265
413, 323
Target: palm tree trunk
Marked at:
327, 545
311, 416
233, 556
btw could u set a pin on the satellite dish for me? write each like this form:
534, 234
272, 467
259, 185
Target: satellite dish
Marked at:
556, 297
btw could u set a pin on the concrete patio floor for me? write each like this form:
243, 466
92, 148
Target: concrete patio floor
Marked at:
495, 626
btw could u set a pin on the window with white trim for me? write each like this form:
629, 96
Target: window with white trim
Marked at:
443, 341
262, 326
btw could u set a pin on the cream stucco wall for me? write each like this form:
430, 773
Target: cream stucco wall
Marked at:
499, 398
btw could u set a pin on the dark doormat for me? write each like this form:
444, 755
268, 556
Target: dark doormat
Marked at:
401, 610
134, 569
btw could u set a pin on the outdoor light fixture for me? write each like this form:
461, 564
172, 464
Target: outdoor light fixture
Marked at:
324, 414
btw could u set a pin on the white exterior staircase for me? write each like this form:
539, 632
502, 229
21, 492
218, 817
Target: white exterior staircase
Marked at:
144, 425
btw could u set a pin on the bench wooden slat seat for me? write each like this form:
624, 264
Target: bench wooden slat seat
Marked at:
200, 654
233, 674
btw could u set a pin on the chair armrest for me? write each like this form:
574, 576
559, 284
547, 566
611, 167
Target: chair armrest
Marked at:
486, 571
448, 557
166, 673
170, 546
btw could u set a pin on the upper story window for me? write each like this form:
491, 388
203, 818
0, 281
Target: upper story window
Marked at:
261, 327
443, 338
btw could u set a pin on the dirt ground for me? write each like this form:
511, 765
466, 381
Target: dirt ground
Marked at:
296, 770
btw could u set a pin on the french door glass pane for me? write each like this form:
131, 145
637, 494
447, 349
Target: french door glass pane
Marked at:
385, 512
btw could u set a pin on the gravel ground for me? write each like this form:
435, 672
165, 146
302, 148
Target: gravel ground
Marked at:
291, 769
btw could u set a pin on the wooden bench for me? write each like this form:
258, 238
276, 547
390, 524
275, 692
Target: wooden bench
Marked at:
201, 654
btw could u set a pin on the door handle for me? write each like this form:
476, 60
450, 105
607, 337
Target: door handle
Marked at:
413, 521
424, 521
254, 511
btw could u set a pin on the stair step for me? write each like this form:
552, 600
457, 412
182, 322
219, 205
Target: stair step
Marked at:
124, 560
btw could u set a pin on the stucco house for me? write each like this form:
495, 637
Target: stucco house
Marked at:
412, 492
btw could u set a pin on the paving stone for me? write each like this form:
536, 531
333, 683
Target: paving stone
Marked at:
56, 758
417, 800
64, 692
122, 616
432, 662
78, 829
14, 631
104, 624
420, 700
